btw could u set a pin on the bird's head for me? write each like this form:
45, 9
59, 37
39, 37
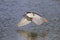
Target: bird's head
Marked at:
30, 14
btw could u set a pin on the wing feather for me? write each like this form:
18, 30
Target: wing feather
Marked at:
23, 22
37, 19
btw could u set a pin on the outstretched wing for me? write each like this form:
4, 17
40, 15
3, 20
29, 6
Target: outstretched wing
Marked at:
23, 22
37, 19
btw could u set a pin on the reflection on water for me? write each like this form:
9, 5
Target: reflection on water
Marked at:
32, 35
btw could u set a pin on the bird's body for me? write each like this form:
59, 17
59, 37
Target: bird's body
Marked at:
31, 17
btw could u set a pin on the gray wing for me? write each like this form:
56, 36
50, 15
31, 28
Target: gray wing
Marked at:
37, 19
23, 22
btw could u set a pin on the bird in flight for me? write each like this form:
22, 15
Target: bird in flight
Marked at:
30, 17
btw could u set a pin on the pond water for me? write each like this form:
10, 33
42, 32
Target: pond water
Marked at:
11, 12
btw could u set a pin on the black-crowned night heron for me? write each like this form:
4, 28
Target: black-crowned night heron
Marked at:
31, 17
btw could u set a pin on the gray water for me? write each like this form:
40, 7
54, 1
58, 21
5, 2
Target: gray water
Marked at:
11, 12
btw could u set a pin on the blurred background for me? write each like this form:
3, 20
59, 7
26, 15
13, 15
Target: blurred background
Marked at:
11, 12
